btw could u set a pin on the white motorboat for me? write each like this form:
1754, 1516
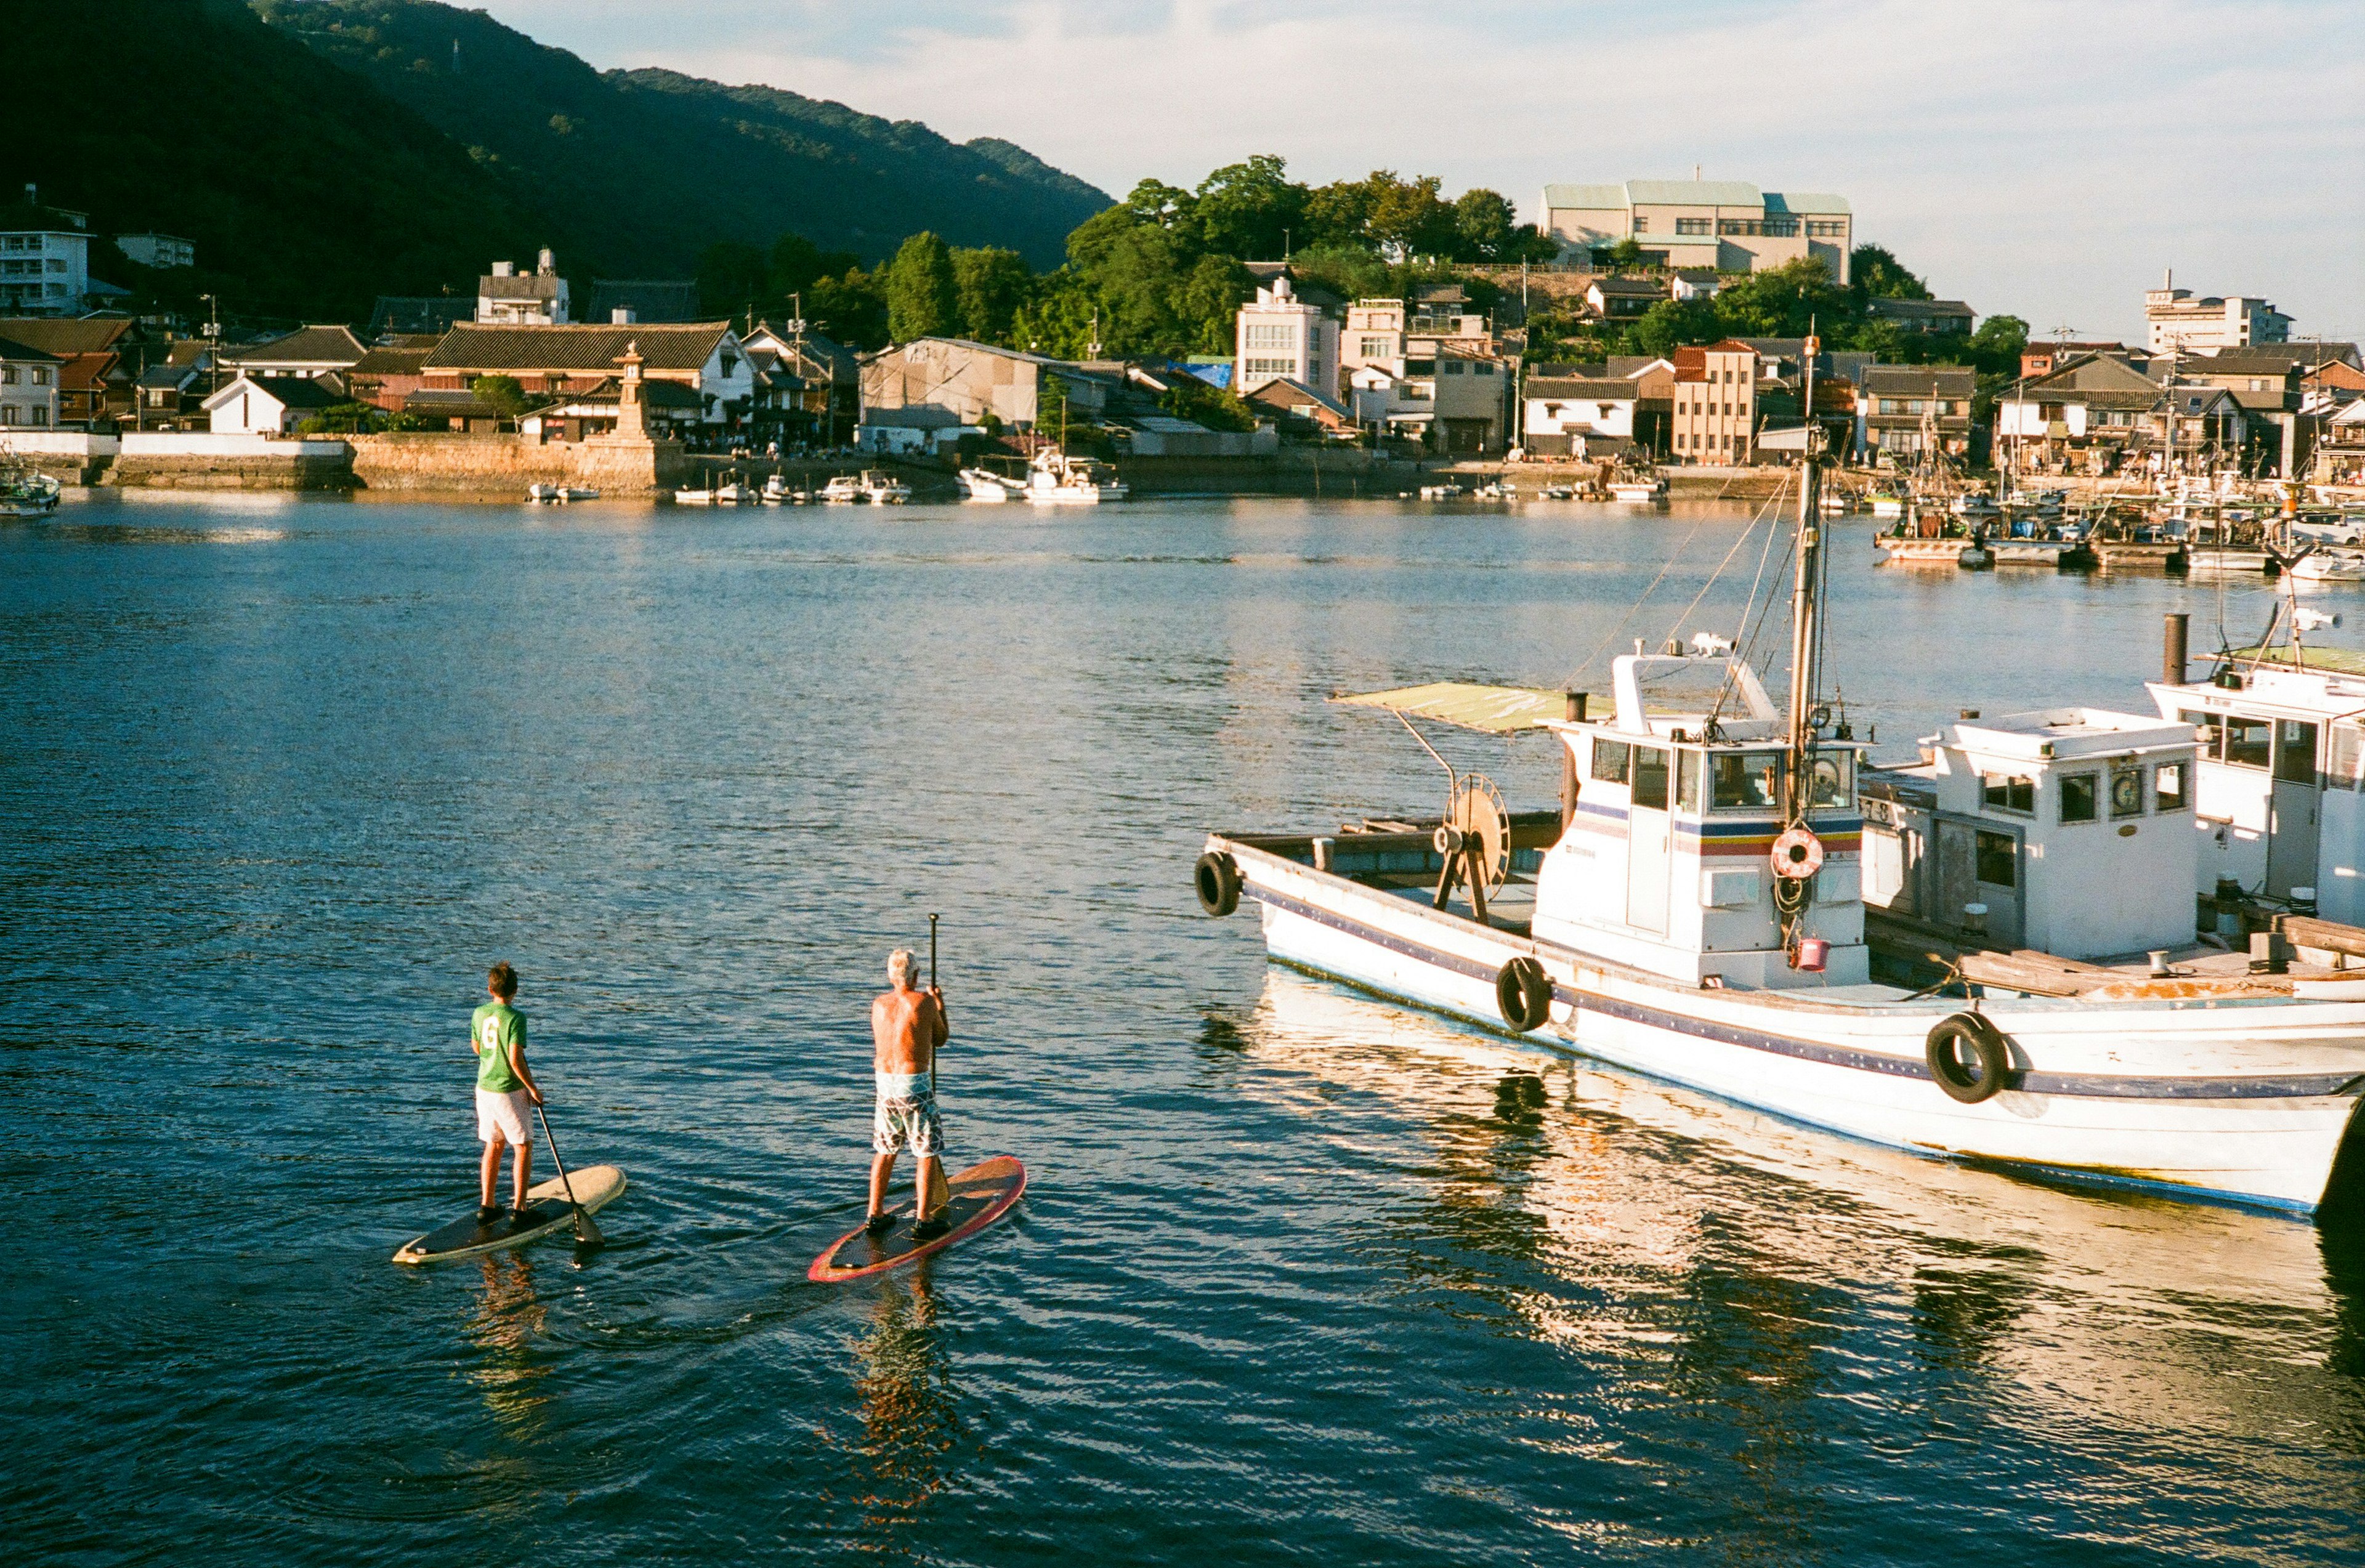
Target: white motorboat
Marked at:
1054, 478
732, 492
984, 485
693, 497
1639, 492
842, 488
884, 490
1698, 909
544, 494
2324, 566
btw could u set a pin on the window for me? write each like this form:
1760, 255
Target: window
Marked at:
2295, 751
1376, 348
1610, 761
7, 376
1272, 335
1825, 229
1832, 781
1687, 780
2168, 786
1480, 368
1693, 226
8, 414
1272, 367
2249, 743
1642, 223
2348, 751
2077, 792
1749, 780
2208, 731
2002, 792
2127, 791
1650, 777
1997, 858
40, 416
1450, 368
41, 376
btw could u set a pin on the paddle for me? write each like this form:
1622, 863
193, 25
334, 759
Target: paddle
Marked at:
585, 1233
932, 986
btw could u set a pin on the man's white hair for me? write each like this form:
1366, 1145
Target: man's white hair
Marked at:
899, 966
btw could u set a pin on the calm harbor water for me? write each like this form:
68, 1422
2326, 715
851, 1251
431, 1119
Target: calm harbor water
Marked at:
1302, 1276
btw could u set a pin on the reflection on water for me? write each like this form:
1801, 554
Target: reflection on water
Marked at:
505, 1317
911, 1425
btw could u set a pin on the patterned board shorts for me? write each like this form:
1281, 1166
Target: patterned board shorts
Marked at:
907, 1124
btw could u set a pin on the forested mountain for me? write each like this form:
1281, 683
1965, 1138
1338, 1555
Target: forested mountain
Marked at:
321, 153
650, 167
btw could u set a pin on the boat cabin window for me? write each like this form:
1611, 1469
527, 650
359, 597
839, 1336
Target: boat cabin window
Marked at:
2249, 743
2127, 791
1611, 760
2002, 792
2078, 796
2295, 751
1650, 777
1832, 780
1993, 853
1746, 780
1687, 780
2347, 752
2209, 729
2168, 786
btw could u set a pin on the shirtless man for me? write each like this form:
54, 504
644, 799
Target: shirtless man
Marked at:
907, 1026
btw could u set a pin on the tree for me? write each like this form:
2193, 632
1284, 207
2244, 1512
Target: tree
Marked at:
1626, 252
795, 264
499, 393
1339, 216
1784, 301
851, 308
1672, 324
922, 296
989, 285
1251, 210
1484, 226
1995, 348
1880, 275
1408, 218
1208, 304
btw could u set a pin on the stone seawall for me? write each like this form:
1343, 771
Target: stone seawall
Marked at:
506, 464
235, 471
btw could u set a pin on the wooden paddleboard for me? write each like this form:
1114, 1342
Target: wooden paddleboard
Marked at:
980, 1194
546, 1208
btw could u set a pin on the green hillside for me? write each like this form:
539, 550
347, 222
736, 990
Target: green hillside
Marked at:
306, 191
651, 167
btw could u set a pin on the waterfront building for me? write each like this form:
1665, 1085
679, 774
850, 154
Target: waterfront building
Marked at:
506, 297
1572, 416
1301, 410
311, 351
93, 379
157, 250
570, 358
1905, 406
1727, 225
1282, 337
44, 258
2176, 320
273, 405
828, 396
391, 371
945, 383
1712, 414
28, 386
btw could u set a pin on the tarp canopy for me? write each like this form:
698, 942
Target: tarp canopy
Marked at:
1492, 709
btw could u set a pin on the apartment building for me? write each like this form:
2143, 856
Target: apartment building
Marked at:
1712, 416
28, 386
44, 259
507, 298
1906, 405
1280, 337
1729, 225
2176, 321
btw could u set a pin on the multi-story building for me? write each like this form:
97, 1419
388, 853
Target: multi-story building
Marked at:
157, 250
1373, 337
1729, 225
2176, 321
1926, 316
507, 297
1907, 407
44, 259
1280, 337
704, 358
1712, 416
28, 386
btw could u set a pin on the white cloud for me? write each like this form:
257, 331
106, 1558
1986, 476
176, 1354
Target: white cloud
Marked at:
2029, 156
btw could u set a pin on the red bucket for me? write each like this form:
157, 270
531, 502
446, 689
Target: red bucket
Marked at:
1812, 951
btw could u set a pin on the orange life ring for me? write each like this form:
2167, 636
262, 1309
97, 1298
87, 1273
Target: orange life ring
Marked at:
1797, 855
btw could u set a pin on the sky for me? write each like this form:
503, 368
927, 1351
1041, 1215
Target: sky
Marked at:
2047, 158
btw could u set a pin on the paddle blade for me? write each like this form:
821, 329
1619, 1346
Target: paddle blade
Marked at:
587, 1233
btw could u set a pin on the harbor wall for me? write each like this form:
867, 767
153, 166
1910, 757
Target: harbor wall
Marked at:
200, 460
70, 457
1347, 472
506, 464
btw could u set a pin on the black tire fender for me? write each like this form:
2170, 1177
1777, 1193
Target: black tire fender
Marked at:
1988, 1070
1216, 880
1523, 995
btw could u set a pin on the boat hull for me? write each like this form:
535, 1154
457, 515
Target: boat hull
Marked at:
2245, 1102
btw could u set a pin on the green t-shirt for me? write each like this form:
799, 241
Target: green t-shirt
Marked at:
495, 1028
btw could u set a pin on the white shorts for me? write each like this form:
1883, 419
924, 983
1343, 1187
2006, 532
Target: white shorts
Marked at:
502, 1115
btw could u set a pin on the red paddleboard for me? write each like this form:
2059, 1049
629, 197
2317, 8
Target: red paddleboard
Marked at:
980, 1194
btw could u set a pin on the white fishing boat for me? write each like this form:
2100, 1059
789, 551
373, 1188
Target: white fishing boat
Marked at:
732, 493
1975, 504
984, 485
1698, 909
579, 493
693, 497
884, 490
1639, 492
1054, 478
542, 494
26, 491
775, 491
1886, 505
843, 488
2324, 566
1442, 492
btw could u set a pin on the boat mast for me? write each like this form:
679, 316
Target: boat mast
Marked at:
1806, 602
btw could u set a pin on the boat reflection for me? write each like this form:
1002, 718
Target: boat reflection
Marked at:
1725, 1254
506, 1317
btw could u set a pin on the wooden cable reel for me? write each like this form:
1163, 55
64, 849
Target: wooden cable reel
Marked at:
1475, 840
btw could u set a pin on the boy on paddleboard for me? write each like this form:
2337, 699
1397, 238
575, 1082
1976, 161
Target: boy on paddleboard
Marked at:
504, 1089
907, 1027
